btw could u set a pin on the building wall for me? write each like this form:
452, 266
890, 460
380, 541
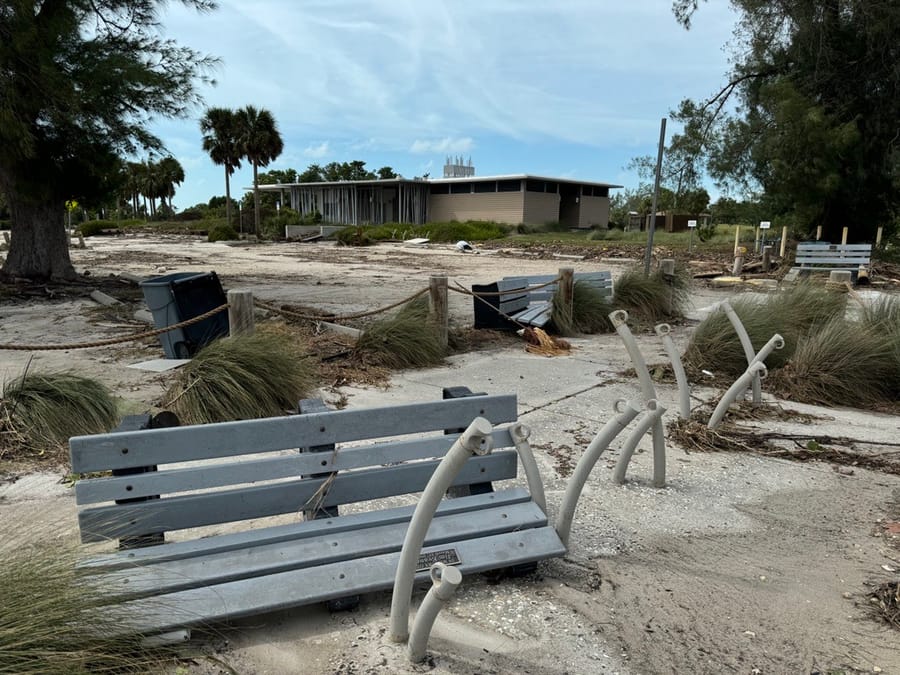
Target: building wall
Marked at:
594, 212
541, 207
500, 207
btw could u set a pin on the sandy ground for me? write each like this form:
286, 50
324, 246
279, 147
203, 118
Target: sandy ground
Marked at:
742, 564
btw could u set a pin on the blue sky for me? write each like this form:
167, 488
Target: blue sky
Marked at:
565, 88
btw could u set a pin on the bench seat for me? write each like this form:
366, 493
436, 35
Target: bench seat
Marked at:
824, 257
229, 475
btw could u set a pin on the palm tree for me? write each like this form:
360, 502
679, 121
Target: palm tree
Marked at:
171, 173
260, 143
220, 140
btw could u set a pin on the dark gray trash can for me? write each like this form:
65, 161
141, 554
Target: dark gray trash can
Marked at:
180, 296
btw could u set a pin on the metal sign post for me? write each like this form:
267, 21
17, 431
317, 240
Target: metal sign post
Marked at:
692, 225
662, 144
763, 226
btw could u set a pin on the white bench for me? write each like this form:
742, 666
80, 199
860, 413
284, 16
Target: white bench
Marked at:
824, 257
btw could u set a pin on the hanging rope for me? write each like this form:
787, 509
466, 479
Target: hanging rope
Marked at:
345, 317
114, 341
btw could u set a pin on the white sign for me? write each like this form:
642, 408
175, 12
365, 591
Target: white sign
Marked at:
765, 225
692, 223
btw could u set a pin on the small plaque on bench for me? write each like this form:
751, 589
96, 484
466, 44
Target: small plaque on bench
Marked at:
448, 556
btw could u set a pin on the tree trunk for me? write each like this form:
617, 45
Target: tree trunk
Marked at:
39, 244
255, 198
228, 198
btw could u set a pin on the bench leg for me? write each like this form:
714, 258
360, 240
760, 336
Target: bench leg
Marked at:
314, 405
135, 423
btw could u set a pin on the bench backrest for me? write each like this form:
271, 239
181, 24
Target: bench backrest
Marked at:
833, 256
602, 281
234, 471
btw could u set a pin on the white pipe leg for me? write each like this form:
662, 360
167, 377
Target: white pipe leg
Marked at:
744, 337
756, 370
619, 320
684, 389
520, 434
627, 411
475, 440
654, 414
444, 582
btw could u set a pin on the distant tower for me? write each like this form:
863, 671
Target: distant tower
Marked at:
457, 167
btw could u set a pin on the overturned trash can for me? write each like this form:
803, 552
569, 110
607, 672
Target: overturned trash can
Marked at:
177, 297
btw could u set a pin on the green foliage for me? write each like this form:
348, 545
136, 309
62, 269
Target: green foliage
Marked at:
54, 623
409, 339
453, 231
91, 227
245, 377
808, 115
222, 233
45, 409
650, 299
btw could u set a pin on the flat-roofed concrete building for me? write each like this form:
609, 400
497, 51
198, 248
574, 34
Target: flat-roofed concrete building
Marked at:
517, 198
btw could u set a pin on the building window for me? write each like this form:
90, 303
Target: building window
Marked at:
535, 185
552, 187
486, 186
460, 188
440, 189
509, 185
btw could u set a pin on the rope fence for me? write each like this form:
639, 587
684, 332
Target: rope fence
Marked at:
458, 288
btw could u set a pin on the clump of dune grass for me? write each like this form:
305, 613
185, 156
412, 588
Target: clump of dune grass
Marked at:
408, 339
792, 313
588, 314
241, 377
839, 363
883, 317
53, 624
650, 299
42, 410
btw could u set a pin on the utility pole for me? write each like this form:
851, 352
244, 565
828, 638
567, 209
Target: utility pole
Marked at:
652, 228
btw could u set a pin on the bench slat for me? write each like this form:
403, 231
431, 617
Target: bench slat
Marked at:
233, 541
179, 444
832, 260
263, 560
537, 315
176, 513
844, 247
173, 481
299, 587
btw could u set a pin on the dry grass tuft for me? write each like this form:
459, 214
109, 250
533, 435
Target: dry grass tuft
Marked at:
408, 339
840, 363
792, 313
39, 412
884, 603
245, 377
590, 311
650, 299
53, 625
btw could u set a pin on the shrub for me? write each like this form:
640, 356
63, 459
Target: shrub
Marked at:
409, 339
45, 409
453, 231
222, 232
94, 227
244, 377
188, 215
590, 309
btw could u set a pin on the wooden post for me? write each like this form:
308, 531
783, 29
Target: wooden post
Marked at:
567, 288
819, 233
737, 238
240, 313
437, 286
756, 240
766, 258
878, 234
6, 236
738, 266
784, 236
844, 236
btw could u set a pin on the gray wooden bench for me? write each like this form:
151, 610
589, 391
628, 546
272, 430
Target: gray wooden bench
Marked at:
528, 301
824, 257
211, 485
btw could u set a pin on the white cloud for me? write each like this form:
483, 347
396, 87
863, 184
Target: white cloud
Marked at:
446, 144
317, 151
